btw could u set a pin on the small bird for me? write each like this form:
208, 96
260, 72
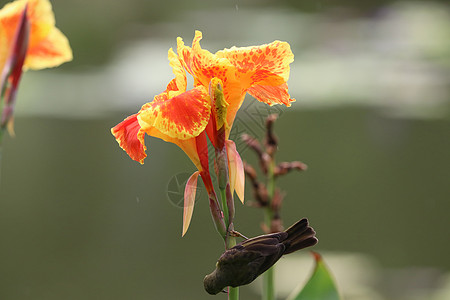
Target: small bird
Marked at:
244, 262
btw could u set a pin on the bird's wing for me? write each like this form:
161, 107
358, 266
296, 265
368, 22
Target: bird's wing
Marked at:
237, 256
243, 266
268, 239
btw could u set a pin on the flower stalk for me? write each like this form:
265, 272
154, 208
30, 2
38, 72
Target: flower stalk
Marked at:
185, 116
219, 112
267, 196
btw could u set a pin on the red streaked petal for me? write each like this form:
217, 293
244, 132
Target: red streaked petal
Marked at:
271, 94
202, 151
130, 137
211, 130
184, 116
189, 200
236, 170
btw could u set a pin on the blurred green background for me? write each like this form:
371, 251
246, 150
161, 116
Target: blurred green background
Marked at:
80, 220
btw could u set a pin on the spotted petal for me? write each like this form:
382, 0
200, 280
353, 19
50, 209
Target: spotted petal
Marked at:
184, 116
262, 71
266, 64
204, 66
271, 94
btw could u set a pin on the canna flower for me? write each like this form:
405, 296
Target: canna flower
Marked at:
262, 71
28, 40
181, 116
178, 115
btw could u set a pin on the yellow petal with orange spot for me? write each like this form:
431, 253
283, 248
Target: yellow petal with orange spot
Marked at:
262, 71
266, 64
182, 117
204, 65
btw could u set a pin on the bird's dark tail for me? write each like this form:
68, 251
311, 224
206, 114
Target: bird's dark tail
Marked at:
300, 235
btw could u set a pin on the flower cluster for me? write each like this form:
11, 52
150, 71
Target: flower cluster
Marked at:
186, 117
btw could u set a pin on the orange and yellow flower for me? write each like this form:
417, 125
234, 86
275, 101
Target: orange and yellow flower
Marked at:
179, 115
47, 47
184, 117
28, 39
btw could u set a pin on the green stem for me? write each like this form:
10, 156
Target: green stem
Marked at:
233, 293
223, 198
270, 181
268, 286
268, 276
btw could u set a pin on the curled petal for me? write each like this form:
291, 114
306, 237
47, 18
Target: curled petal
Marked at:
184, 116
271, 94
236, 170
189, 200
184, 54
130, 137
179, 83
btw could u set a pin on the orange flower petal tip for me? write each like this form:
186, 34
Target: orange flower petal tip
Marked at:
130, 137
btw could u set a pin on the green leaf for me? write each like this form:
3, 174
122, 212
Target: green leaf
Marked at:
320, 286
